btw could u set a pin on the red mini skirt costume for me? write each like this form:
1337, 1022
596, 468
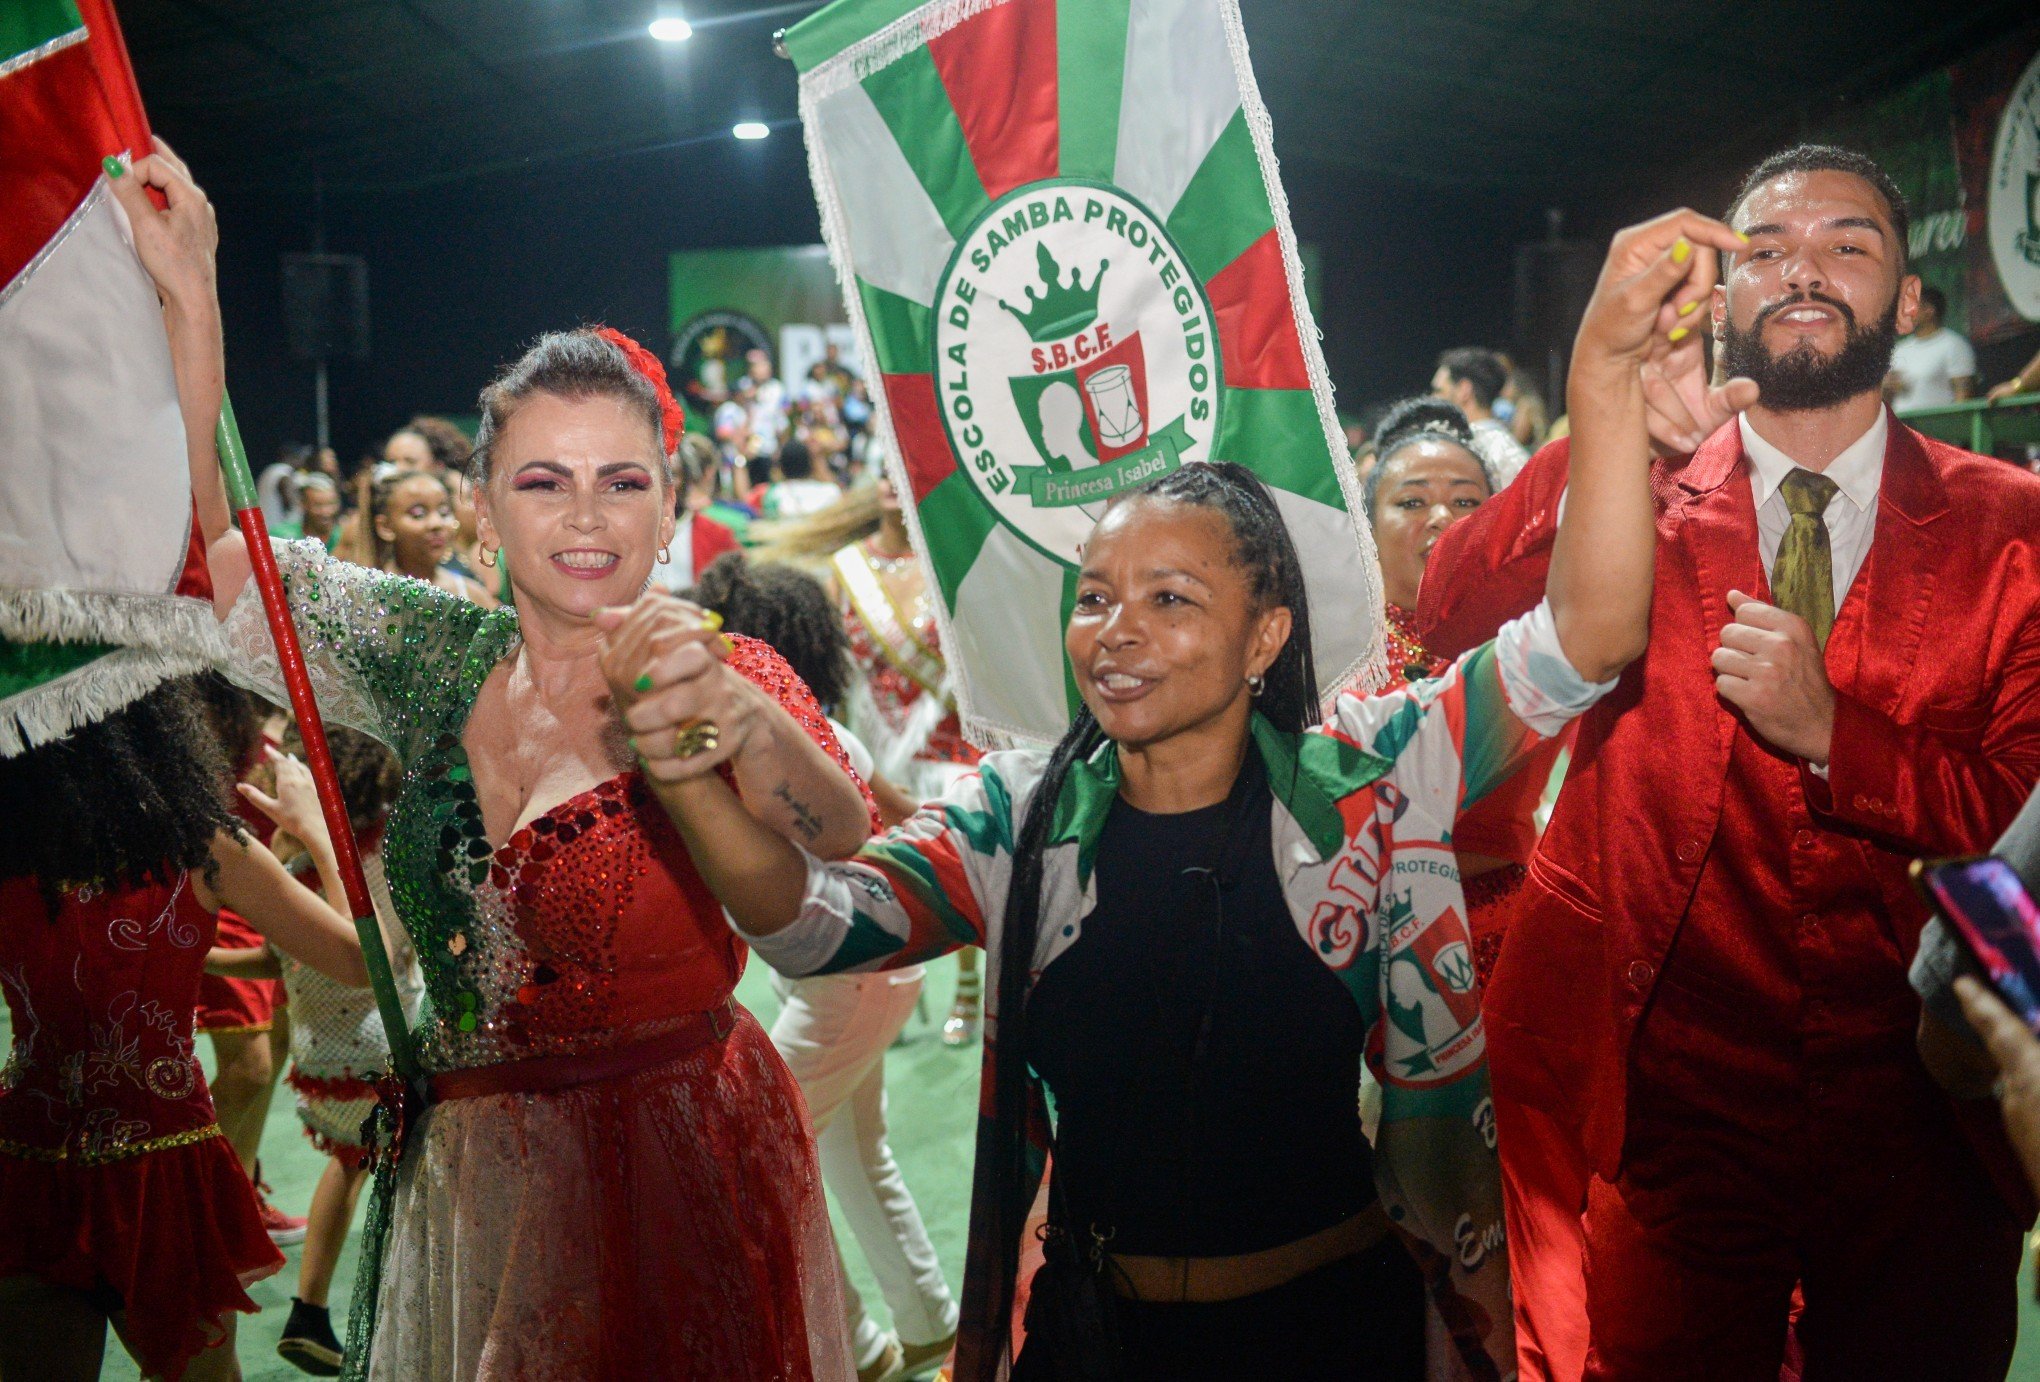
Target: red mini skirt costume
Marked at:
114, 1177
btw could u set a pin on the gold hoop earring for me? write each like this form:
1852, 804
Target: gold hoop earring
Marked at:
486, 556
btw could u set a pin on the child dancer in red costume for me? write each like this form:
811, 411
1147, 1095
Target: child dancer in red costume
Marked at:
124, 1202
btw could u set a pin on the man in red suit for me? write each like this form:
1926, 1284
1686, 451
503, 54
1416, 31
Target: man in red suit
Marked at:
1706, 986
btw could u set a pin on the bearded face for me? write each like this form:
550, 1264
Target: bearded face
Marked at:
1801, 376
1812, 308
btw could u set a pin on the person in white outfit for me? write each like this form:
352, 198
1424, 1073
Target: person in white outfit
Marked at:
833, 1030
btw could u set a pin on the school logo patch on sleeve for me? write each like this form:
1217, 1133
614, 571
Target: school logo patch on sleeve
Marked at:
1432, 997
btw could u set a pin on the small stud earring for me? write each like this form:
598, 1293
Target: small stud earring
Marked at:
1256, 683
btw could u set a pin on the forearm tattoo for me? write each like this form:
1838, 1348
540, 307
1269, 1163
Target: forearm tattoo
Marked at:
804, 818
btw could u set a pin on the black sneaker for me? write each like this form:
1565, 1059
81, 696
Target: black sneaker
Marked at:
308, 1343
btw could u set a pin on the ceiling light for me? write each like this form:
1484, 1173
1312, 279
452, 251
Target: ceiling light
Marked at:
671, 30
750, 129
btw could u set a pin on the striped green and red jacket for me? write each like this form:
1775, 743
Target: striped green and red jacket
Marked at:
1362, 832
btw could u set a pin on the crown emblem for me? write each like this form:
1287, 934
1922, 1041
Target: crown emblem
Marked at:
1059, 310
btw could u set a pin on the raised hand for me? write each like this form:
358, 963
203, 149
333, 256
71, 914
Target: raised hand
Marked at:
1647, 314
1657, 276
1603, 559
295, 807
177, 243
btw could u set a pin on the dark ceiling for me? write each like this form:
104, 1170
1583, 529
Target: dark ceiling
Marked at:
1519, 94
507, 167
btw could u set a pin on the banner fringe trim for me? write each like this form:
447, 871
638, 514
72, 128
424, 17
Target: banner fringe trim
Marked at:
1368, 672
876, 52
47, 713
160, 623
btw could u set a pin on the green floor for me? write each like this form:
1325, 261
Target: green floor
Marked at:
932, 1092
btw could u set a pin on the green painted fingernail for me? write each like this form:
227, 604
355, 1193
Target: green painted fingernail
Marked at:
113, 166
643, 683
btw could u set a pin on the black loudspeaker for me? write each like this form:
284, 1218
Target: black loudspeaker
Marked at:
325, 306
1554, 280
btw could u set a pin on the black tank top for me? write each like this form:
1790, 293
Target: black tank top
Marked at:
1177, 1137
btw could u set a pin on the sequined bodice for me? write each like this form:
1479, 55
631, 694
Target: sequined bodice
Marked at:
589, 927
101, 998
1408, 659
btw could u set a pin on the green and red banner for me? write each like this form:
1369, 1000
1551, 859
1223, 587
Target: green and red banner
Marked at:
102, 587
1069, 263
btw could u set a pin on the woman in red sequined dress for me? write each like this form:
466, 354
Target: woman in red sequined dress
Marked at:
122, 1200
614, 1178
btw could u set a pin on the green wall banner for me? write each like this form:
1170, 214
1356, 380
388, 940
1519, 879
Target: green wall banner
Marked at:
1963, 144
782, 299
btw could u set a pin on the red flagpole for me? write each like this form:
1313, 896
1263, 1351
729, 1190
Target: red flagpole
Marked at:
117, 80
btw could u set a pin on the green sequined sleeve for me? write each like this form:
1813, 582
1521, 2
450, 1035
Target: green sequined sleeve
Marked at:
385, 652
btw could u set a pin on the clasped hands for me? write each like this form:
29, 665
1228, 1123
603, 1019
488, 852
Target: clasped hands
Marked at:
687, 712
1769, 667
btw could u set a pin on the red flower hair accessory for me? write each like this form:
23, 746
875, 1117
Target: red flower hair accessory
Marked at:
672, 418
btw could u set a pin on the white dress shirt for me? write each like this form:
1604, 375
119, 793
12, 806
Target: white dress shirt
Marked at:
1851, 515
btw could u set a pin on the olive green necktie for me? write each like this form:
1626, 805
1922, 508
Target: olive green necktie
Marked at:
1803, 577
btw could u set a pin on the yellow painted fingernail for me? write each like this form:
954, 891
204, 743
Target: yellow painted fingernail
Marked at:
728, 646
1682, 250
1686, 309
710, 619
1679, 333
1742, 237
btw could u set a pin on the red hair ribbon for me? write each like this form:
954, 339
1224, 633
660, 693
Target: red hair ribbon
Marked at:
647, 364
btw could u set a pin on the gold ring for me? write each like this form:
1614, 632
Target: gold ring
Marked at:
701, 737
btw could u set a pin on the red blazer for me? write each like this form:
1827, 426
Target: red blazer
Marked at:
1936, 744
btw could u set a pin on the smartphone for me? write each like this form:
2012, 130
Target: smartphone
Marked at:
1986, 904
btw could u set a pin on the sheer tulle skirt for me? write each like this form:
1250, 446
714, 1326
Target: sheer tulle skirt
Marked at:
668, 1223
